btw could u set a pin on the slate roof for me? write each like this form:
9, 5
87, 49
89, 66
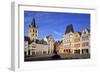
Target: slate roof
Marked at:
69, 28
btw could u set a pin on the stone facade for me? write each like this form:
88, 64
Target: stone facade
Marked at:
50, 42
68, 39
33, 31
68, 42
71, 43
76, 42
34, 46
85, 41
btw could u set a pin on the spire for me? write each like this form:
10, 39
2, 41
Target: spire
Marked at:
33, 23
69, 28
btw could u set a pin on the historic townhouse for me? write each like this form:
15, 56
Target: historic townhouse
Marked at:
50, 42
72, 42
26, 39
68, 39
40, 47
59, 47
77, 43
85, 41
61, 50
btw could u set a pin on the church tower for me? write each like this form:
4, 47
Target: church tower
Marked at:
33, 31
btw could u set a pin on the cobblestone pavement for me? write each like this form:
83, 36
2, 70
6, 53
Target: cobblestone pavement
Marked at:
56, 57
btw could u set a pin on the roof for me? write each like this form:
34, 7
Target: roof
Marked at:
79, 33
87, 29
41, 42
69, 28
33, 24
26, 38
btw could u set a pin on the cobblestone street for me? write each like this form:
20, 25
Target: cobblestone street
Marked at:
55, 57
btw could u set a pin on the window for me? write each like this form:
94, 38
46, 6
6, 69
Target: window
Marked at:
85, 44
76, 39
44, 52
77, 45
86, 37
70, 36
84, 32
77, 51
85, 51
64, 50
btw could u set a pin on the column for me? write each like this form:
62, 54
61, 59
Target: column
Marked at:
30, 52
80, 51
27, 52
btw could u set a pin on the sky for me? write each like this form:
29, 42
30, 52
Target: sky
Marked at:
54, 23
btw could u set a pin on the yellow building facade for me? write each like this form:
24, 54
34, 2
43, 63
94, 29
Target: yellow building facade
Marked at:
76, 43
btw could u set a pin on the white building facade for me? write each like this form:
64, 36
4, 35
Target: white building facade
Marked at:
68, 42
76, 42
85, 41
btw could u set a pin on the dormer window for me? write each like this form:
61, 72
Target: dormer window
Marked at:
84, 32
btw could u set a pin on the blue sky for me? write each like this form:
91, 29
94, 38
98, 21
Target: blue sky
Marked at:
54, 23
